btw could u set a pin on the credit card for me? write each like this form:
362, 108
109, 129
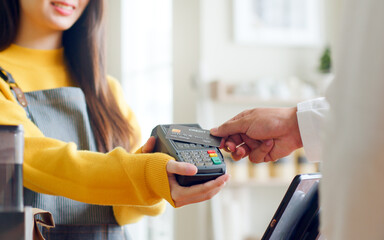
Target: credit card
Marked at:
192, 135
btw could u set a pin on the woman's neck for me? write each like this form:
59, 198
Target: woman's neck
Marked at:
38, 38
46, 42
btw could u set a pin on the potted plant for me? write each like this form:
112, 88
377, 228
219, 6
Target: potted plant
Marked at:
325, 71
325, 61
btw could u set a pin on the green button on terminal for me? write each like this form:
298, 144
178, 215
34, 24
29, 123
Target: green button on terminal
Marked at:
216, 160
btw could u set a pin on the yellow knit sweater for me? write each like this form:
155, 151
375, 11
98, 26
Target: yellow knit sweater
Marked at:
135, 184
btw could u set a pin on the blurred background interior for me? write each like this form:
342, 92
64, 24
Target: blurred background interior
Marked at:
204, 61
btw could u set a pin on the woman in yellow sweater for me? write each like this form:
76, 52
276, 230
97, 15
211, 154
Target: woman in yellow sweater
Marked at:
79, 132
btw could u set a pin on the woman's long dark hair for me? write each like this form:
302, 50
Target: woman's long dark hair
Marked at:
84, 50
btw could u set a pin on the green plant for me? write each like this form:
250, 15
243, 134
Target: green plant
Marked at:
325, 61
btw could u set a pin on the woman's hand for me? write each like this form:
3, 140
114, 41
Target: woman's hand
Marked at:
149, 145
187, 195
193, 194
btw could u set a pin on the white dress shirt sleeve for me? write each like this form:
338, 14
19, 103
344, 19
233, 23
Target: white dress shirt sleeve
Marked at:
311, 118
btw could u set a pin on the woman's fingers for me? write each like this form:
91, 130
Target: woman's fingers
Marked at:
196, 193
181, 168
199, 198
149, 145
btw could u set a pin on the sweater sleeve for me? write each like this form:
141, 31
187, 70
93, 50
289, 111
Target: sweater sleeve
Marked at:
116, 178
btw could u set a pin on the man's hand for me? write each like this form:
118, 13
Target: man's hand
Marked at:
263, 134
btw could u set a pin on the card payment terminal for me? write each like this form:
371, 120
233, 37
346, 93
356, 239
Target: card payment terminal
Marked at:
191, 147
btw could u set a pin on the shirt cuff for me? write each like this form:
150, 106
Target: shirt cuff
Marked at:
310, 116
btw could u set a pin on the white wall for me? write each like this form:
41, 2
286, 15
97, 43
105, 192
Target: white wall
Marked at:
186, 54
204, 51
223, 59
114, 39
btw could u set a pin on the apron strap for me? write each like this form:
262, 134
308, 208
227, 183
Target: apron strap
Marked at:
19, 94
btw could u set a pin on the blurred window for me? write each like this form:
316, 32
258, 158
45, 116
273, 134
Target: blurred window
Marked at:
147, 83
147, 60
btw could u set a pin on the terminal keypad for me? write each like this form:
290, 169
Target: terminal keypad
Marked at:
199, 155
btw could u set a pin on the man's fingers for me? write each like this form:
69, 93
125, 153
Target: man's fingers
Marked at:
240, 152
230, 127
232, 142
259, 154
251, 143
181, 168
268, 158
230, 146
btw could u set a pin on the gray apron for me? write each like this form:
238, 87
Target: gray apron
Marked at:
61, 113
